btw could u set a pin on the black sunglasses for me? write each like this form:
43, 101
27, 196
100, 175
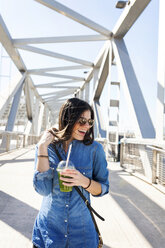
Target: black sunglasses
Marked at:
82, 121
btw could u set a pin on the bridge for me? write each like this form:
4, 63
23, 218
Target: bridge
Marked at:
37, 75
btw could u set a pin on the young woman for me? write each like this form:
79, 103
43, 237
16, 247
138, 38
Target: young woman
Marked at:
64, 220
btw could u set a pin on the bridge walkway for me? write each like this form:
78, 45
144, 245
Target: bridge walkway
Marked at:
134, 210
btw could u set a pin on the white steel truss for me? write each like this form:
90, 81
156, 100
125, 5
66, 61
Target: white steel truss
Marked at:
114, 52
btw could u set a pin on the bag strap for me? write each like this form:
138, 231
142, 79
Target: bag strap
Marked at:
91, 210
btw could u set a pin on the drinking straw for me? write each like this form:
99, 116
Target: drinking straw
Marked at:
67, 160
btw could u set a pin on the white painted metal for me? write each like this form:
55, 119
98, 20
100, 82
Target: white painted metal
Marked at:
102, 76
87, 92
29, 93
161, 74
57, 92
57, 96
46, 124
7, 98
133, 94
35, 117
50, 85
40, 118
27, 130
6, 41
53, 54
101, 133
14, 109
58, 76
75, 16
99, 69
62, 39
12, 116
130, 14
60, 68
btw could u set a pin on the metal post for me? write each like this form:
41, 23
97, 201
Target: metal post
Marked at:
154, 167
121, 153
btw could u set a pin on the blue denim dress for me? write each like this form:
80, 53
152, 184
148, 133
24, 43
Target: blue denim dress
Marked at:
64, 221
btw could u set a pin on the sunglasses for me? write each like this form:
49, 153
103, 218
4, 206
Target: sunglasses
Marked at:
82, 121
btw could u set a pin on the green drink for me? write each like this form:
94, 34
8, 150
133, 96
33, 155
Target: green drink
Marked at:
60, 168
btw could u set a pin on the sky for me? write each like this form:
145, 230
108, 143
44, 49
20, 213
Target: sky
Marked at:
28, 18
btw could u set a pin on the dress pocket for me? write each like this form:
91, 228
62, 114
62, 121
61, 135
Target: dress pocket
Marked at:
85, 171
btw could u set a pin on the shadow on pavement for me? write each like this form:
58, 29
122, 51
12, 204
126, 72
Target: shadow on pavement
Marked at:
17, 214
2, 162
146, 215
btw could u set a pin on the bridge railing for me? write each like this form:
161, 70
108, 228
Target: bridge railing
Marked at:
14, 140
144, 157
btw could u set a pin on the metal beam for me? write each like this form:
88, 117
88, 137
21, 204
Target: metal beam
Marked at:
97, 64
6, 41
64, 87
12, 115
130, 14
55, 93
62, 9
102, 76
40, 119
14, 109
29, 96
53, 54
60, 68
62, 94
51, 85
62, 39
161, 74
44, 74
7, 98
136, 102
101, 132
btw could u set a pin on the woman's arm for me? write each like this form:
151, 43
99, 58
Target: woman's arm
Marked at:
42, 179
43, 162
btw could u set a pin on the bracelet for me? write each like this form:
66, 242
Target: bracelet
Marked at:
89, 183
42, 156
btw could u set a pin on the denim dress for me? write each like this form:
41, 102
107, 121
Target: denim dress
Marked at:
64, 220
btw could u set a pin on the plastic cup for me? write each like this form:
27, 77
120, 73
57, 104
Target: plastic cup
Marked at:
62, 166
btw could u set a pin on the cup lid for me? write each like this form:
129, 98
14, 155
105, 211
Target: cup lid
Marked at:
62, 165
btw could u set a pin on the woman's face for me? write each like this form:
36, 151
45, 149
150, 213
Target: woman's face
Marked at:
80, 130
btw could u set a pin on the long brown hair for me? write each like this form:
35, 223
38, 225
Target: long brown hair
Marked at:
69, 114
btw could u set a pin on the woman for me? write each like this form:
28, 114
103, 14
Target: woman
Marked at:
64, 220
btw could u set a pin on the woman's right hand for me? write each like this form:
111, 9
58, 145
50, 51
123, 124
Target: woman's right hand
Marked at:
46, 139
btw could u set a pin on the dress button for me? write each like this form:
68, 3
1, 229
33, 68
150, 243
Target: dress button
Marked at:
67, 206
83, 173
65, 236
66, 221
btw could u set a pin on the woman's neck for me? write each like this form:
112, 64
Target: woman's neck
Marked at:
66, 145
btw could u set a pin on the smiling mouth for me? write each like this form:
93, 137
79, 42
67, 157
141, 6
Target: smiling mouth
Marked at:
82, 132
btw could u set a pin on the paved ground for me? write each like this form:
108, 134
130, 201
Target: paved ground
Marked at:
134, 210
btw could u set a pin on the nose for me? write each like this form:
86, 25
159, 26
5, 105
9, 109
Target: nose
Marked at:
87, 124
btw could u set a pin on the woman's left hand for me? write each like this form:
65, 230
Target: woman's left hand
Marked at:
77, 179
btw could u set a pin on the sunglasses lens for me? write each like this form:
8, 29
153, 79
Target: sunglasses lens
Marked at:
83, 121
91, 122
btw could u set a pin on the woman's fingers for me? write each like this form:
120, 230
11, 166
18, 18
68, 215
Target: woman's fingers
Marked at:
76, 178
46, 138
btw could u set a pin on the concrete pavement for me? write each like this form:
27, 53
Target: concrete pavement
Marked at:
134, 210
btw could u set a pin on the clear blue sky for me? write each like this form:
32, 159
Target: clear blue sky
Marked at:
27, 18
